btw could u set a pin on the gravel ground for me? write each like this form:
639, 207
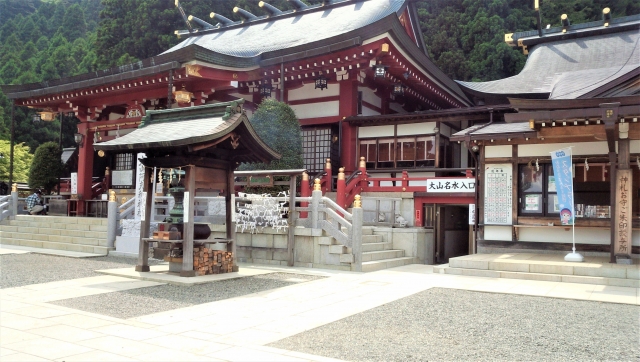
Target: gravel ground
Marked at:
143, 301
17, 270
456, 325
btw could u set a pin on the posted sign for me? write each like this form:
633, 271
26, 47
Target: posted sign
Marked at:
451, 185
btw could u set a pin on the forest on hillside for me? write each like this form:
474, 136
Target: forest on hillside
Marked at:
49, 39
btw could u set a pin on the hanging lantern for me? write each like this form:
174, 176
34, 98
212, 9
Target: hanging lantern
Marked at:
379, 71
48, 115
265, 89
398, 89
78, 137
36, 118
321, 82
183, 96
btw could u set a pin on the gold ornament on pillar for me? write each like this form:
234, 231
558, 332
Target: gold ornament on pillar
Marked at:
112, 196
363, 163
14, 187
316, 185
357, 203
305, 176
341, 173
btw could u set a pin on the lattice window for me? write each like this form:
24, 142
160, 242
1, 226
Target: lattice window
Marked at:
316, 148
124, 161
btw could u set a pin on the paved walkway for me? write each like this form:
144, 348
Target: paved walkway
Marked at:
233, 329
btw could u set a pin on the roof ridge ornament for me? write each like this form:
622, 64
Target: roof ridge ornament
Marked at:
184, 16
245, 15
234, 107
299, 5
272, 10
203, 23
221, 19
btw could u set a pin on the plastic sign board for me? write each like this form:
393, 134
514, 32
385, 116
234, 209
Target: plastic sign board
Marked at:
449, 185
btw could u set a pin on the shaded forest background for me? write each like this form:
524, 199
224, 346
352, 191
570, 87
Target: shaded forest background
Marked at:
42, 40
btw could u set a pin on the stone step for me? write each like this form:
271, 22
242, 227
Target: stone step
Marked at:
557, 268
377, 246
49, 224
381, 255
101, 250
371, 239
63, 219
619, 282
80, 240
366, 230
53, 231
370, 266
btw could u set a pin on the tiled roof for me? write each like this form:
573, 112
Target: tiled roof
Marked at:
492, 130
66, 154
567, 69
282, 32
191, 126
165, 134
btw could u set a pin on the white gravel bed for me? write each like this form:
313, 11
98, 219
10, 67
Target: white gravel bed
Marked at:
138, 302
17, 270
457, 325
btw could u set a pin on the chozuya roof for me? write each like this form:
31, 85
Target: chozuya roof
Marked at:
189, 126
572, 64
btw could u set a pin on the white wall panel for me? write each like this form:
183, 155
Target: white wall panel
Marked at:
579, 148
499, 233
366, 111
308, 91
497, 151
397, 107
375, 131
313, 110
416, 128
370, 97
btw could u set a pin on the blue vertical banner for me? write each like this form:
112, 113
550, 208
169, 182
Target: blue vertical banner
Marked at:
563, 172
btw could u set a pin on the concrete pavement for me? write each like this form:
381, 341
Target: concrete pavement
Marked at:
234, 329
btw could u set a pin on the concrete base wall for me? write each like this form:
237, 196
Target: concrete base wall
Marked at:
416, 242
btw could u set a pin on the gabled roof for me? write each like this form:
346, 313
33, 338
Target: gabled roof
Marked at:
189, 126
570, 65
291, 29
496, 130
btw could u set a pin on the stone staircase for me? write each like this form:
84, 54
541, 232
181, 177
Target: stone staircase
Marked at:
546, 267
377, 253
82, 234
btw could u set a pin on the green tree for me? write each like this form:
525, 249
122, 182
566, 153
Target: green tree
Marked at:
46, 167
22, 159
277, 125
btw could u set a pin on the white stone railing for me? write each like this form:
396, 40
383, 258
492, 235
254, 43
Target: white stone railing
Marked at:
321, 213
8, 206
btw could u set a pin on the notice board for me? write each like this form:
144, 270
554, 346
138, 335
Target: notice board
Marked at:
498, 191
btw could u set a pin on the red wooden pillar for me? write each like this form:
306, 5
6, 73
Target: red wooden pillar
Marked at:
348, 107
327, 179
305, 191
341, 196
405, 179
85, 166
364, 180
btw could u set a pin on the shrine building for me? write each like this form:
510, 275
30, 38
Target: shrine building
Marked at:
579, 89
372, 105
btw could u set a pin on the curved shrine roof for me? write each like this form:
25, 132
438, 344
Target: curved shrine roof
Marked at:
568, 69
251, 39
